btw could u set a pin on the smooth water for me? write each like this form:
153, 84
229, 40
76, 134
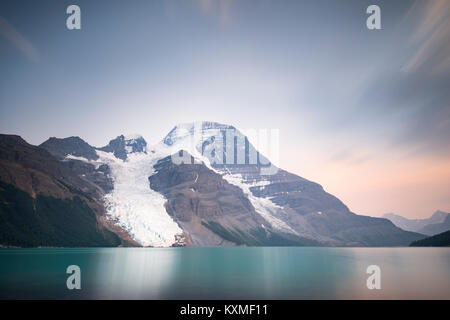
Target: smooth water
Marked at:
225, 273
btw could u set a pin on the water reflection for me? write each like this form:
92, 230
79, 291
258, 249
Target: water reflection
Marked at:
134, 273
226, 273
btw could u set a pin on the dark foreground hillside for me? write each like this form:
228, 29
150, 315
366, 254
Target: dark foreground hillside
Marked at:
439, 240
47, 221
43, 202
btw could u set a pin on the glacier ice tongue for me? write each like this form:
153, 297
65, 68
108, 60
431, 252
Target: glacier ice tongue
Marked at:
133, 205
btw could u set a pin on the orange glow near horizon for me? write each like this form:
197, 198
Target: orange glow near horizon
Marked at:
414, 188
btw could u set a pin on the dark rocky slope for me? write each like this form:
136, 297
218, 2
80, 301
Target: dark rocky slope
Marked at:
43, 202
75, 146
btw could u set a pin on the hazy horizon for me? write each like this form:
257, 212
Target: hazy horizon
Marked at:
365, 113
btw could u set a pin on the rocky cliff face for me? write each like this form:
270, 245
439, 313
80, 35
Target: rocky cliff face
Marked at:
213, 211
124, 145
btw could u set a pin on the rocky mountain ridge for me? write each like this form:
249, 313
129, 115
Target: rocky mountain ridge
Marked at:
205, 183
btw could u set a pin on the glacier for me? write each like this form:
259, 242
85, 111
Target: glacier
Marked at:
133, 205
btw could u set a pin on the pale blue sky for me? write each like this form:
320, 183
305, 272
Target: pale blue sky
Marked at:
348, 101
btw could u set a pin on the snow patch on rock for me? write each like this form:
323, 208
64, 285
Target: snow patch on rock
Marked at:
264, 206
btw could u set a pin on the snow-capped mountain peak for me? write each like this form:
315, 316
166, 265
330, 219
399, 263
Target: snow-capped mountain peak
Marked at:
199, 130
224, 145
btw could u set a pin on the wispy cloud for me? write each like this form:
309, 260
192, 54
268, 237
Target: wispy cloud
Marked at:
220, 9
352, 156
18, 40
432, 36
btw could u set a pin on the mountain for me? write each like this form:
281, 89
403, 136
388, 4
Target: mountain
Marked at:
436, 228
288, 203
242, 199
74, 146
418, 225
44, 203
124, 145
205, 184
439, 240
76, 154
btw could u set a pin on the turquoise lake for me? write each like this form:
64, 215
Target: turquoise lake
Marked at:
225, 273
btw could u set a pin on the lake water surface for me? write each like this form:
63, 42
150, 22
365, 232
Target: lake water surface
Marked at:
225, 273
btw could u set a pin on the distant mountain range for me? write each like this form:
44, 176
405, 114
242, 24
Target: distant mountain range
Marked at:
184, 190
436, 223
